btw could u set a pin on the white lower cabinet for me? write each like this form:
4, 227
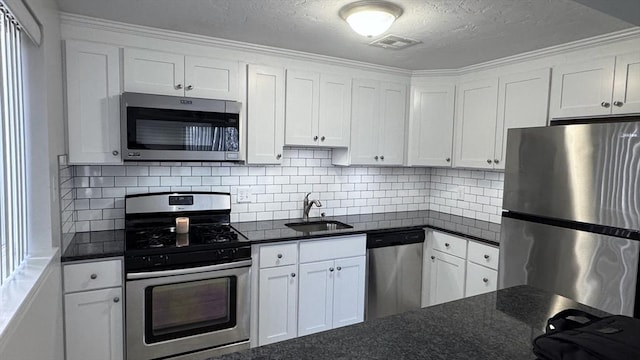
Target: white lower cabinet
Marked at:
480, 279
446, 278
348, 291
278, 304
93, 317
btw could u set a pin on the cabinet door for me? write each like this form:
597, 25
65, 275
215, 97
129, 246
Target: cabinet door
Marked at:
265, 115
476, 124
334, 126
93, 102
582, 89
211, 78
348, 291
301, 112
316, 297
431, 125
277, 304
523, 101
93, 325
480, 279
153, 72
392, 123
365, 114
626, 91
446, 274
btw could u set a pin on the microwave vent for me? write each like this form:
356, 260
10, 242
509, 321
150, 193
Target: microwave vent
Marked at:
394, 42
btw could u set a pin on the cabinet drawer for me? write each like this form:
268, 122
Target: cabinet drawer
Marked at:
278, 255
333, 248
449, 244
92, 275
484, 255
480, 279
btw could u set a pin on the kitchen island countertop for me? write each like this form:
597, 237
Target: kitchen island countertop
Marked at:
496, 325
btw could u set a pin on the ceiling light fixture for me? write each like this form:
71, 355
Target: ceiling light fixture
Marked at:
370, 18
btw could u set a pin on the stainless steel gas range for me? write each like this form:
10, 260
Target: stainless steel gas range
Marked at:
187, 277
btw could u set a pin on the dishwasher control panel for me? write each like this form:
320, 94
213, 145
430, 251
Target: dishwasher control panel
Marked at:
394, 238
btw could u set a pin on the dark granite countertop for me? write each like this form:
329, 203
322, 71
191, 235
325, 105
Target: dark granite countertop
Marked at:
95, 245
275, 230
496, 325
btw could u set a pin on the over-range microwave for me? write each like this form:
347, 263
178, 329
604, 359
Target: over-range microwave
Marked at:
160, 127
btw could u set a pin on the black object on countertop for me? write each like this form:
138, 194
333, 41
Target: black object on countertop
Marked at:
497, 325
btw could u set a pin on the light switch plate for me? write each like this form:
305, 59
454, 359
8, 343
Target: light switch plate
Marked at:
244, 194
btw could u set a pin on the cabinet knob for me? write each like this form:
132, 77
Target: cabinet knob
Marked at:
448, 159
496, 161
339, 268
331, 269
486, 257
178, 87
322, 138
279, 256
605, 104
485, 280
447, 245
315, 138
115, 153
278, 156
293, 274
381, 157
488, 161
618, 103
116, 299
433, 257
376, 157
189, 87
93, 276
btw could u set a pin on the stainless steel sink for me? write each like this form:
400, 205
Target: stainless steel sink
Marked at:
322, 225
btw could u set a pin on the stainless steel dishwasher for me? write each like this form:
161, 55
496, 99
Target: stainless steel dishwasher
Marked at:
394, 272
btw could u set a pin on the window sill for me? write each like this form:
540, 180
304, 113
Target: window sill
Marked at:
16, 294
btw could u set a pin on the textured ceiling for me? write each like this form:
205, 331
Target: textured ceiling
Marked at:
454, 33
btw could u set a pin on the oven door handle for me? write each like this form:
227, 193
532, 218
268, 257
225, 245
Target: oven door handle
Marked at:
155, 274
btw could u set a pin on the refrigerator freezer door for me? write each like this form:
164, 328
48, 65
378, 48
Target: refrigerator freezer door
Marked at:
597, 270
588, 173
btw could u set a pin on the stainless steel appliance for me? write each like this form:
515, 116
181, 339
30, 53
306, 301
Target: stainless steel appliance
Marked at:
187, 285
159, 127
394, 272
571, 220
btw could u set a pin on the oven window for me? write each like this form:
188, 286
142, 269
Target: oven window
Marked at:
190, 308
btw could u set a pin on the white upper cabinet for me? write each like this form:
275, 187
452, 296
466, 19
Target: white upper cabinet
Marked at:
378, 115
93, 102
597, 87
476, 106
431, 125
162, 73
265, 115
318, 109
523, 101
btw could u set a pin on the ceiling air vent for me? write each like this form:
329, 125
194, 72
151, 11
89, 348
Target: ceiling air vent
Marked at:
394, 42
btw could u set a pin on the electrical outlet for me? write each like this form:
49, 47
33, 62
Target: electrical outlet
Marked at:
244, 194
460, 193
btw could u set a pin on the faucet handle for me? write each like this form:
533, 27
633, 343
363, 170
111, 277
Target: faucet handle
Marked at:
318, 203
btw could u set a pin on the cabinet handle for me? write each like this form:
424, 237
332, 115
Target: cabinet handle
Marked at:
293, 274
433, 257
93, 276
279, 256
486, 257
447, 245
496, 161
322, 138
278, 156
605, 104
339, 268
189, 87
485, 280
179, 86
116, 299
315, 138
618, 103
448, 159
115, 153
376, 157
331, 269
488, 161
381, 157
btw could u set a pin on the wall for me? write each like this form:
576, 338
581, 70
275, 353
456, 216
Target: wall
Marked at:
278, 190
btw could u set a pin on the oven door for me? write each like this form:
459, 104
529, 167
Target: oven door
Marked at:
175, 312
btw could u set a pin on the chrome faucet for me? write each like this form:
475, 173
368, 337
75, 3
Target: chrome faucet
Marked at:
307, 204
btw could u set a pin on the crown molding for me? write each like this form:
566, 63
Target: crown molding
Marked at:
162, 34
591, 42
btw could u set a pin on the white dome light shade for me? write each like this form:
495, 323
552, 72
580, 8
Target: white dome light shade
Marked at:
370, 18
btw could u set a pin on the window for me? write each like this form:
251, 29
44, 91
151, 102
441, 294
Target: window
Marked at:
13, 229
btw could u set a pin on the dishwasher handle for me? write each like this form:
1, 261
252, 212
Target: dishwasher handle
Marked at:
394, 238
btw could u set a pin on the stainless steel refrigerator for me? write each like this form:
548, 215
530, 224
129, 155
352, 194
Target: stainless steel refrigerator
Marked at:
571, 220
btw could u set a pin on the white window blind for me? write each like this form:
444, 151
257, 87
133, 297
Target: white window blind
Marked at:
13, 230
